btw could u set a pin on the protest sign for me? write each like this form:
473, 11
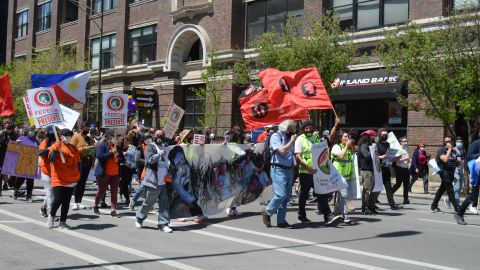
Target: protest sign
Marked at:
392, 140
21, 160
354, 191
45, 108
377, 169
327, 179
70, 117
114, 110
198, 139
173, 117
28, 109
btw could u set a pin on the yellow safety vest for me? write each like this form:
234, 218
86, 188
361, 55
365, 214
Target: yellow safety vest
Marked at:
344, 165
307, 150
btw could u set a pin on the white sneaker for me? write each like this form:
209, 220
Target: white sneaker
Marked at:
138, 225
82, 206
229, 212
235, 212
50, 222
64, 226
473, 210
76, 206
346, 219
446, 202
165, 229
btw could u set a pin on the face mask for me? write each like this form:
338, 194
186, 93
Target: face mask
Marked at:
376, 139
158, 139
422, 148
211, 136
31, 134
384, 137
459, 144
404, 146
66, 139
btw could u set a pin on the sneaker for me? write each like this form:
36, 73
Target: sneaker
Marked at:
396, 207
5, 187
50, 222
236, 212
346, 219
138, 223
29, 199
114, 214
304, 220
200, 219
406, 202
165, 228
229, 212
446, 202
63, 225
334, 220
96, 211
43, 211
473, 210
103, 205
436, 211
373, 211
460, 220
367, 212
75, 206
81, 206
132, 205
266, 218
285, 225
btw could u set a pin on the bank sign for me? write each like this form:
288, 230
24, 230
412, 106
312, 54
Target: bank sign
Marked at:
114, 110
367, 81
44, 107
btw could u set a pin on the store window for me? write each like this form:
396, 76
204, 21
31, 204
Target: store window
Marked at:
108, 52
270, 15
143, 45
367, 14
44, 16
194, 108
22, 24
107, 5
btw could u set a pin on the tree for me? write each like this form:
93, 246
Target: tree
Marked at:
441, 67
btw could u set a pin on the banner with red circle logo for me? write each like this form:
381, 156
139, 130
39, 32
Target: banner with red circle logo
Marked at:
115, 110
44, 106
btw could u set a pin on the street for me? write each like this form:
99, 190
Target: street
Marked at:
411, 238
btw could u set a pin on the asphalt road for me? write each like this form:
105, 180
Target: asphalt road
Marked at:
411, 238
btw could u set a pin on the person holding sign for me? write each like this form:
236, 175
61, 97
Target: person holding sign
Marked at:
45, 171
28, 138
64, 176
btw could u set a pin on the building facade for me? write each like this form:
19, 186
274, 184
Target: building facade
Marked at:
164, 45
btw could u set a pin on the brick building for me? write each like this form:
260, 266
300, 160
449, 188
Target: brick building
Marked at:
163, 45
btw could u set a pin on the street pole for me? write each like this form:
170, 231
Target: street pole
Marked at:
99, 92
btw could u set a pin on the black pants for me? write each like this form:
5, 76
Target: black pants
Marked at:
387, 183
446, 185
19, 182
306, 183
61, 196
80, 187
402, 177
125, 179
472, 198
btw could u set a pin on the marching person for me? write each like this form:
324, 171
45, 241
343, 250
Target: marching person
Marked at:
367, 179
109, 156
419, 167
64, 176
127, 167
6, 135
143, 141
45, 171
282, 166
459, 174
84, 143
401, 170
28, 138
154, 184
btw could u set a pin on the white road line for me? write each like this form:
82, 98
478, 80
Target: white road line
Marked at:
446, 222
72, 252
109, 244
13, 221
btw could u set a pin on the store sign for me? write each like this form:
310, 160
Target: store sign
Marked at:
368, 81
145, 98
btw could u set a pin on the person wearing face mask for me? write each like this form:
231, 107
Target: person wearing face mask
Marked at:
84, 143
45, 170
127, 167
365, 164
28, 138
154, 184
419, 167
459, 174
6, 135
143, 140
401, 170
109, 156
64, 176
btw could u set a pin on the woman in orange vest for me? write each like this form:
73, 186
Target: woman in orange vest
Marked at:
44, 150
64, 176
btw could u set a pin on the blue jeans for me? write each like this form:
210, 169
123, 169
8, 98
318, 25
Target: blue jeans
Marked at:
457, 186
282, 181
471, 199
138, 193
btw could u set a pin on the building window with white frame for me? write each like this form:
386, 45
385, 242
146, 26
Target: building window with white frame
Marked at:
108, 52
143, 45
44, 16
107, 5
22, 24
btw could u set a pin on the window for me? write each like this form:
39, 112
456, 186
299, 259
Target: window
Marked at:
196, 52
194, 108
108, 52
71, 12
270, 15
44, 16
107, 5
22, 24
143, 45
367, 14
460, 4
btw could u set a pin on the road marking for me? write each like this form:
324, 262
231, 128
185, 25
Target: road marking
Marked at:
13, 221
109, 244
72, 252
447, 222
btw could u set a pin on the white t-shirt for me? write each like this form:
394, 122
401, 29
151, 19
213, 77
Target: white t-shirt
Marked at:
336, 149
403, 154
298, 145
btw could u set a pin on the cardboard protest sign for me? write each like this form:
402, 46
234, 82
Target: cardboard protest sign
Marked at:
327, 179
21, 160
28, 109
45, 108
377, 169
115, 110
198, 139
174, 116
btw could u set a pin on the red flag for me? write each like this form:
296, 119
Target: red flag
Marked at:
6, 98
264, 108
304, 86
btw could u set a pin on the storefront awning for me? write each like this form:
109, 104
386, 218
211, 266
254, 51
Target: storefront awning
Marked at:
372, 84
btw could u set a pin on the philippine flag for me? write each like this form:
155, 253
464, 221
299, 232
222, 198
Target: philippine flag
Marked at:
69, 87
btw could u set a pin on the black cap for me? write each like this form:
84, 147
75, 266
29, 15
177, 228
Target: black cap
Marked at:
306, 124
65, 132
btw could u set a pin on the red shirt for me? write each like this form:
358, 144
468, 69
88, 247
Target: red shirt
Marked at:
262, 137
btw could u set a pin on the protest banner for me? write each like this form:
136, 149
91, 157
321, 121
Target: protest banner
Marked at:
70, 117
377, 169
392, 140
21, 160
173, 117
327, 179
115, 110
28, 109
354, 190
198, 139
45, 108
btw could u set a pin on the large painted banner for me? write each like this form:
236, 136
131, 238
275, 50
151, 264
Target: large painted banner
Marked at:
213, 178
45, 108
377, 169
21, 160
114, 110
327, 179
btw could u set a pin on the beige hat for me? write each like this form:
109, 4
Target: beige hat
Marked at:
184, 134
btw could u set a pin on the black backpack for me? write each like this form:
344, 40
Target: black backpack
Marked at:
263, 155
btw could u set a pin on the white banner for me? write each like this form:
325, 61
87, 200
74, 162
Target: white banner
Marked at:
354, 191
70, 117
45, 108
327, 179
377, 169
174, 116
114, 110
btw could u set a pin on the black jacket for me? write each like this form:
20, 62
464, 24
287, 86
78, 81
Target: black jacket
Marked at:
365, 162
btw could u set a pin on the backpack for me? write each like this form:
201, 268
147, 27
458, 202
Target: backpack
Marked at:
262, 155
